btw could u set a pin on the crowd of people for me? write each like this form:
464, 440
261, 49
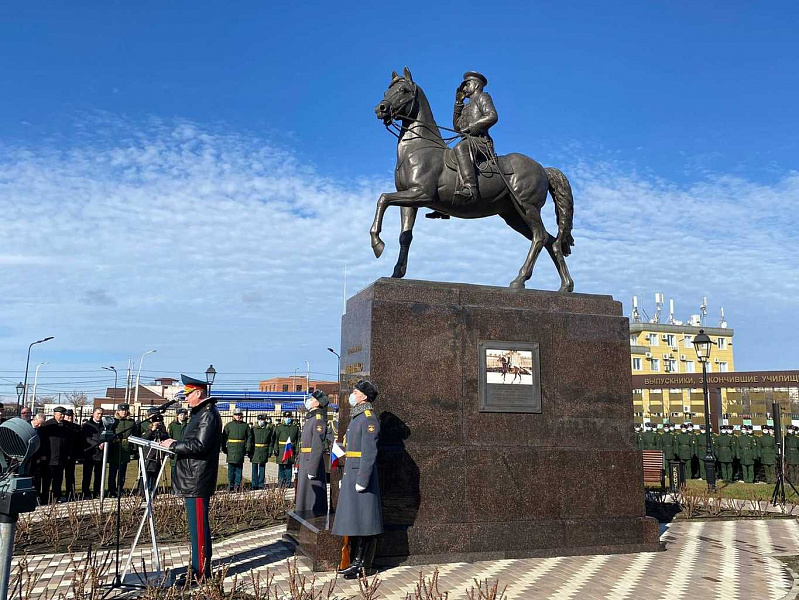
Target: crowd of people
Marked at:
740, 454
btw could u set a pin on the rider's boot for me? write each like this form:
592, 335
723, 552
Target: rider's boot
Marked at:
468, 192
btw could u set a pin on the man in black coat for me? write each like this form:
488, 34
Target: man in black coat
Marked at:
92, 454
56, 437
196, 468
75, 452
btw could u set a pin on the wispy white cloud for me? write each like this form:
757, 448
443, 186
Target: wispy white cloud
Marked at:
219, 247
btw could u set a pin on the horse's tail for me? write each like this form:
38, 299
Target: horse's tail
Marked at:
561, 192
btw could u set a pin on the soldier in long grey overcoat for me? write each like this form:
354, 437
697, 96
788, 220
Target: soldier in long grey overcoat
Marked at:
359, 513
312, 478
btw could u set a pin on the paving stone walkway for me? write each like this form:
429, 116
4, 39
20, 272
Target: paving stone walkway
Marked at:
729, 560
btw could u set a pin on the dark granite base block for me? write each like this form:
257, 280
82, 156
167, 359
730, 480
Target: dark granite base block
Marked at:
311, 539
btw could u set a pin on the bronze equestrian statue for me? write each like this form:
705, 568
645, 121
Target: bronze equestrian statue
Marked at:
470, 182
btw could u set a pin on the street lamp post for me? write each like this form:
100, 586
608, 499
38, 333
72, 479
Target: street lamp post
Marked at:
307, 377
703, 345
210, 375
20, 389
27, 364
338, 356
35, 381
138, 375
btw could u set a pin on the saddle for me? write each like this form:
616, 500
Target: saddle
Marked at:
485, 167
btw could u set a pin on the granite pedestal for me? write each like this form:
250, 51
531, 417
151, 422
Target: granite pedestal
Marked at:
459, 484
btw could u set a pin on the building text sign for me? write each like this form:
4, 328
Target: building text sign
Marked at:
736, 379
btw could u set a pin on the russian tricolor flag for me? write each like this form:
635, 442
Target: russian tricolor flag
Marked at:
335, 455
288, 453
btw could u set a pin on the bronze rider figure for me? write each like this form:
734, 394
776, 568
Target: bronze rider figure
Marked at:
474, 118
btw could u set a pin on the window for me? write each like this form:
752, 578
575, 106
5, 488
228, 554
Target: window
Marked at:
633, 339
652, 338
310, 390
670, 365
722, 342
285, 387
709, 367
689, 341
690, 366
298, 388
636, 364
723, 368
676, 414
655, 364
670, 340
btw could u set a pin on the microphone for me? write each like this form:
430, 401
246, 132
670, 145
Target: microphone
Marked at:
166, 405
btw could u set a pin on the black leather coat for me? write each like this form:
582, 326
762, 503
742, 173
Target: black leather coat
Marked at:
197, 454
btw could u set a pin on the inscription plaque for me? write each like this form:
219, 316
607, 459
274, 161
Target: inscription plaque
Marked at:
510, 377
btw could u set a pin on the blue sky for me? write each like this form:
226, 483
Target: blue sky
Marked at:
128, 130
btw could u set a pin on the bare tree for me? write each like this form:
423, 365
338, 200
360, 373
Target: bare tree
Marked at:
77, 399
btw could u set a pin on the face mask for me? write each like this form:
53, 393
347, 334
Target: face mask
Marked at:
308, 403
261, 423
287, 421
352, 399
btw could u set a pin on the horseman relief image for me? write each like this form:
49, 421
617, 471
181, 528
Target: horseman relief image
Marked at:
509, 377
459, 174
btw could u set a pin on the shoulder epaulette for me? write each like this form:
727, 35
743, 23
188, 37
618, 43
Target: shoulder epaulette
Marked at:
367, 412
318, 417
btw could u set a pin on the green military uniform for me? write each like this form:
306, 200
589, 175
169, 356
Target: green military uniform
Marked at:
259, 449
651, 439
667, 439
747, 452
234, 444
119, 451
767, 447
639, 441
684, 450
700, 451
283, 432
792, 455
726, 444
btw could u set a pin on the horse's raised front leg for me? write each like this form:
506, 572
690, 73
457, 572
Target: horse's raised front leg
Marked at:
411, 198
406, 237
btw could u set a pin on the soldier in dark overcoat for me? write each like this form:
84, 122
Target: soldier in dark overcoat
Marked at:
312, 478
725, 451
747, 452
792, 454
684, 448
651, 439
767, 446
359, 514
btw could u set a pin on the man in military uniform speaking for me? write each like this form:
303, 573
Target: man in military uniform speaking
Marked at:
359, 514
197, 458
312, 476
474, 119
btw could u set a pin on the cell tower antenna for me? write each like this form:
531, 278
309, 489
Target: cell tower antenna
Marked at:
722, 322
671, 311
703, 310
636, 315
658, 308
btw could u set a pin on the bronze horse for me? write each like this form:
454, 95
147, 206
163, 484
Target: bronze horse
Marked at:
424, 180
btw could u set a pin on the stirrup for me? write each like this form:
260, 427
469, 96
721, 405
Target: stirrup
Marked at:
436, 215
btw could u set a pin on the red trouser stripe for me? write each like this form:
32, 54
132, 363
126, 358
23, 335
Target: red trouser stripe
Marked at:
198, 506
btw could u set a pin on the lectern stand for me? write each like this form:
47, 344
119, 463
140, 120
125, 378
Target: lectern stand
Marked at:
148, 517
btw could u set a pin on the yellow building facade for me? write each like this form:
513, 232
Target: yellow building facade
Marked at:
663, 349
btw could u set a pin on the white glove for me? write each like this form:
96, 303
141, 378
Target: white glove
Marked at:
359, 488
311, 476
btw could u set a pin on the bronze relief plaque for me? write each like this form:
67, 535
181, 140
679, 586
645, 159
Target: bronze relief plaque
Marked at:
509, 377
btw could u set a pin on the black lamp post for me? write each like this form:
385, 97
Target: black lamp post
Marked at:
27, 364
703, 345
114, 400
20, 389
210, 375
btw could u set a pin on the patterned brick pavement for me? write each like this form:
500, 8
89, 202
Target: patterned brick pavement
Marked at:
730, 560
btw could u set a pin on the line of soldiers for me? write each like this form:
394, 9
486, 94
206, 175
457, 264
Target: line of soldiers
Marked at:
739, 457
260, 443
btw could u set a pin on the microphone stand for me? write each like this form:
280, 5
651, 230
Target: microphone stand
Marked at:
117, 582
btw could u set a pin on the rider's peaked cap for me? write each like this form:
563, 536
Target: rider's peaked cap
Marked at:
475, 75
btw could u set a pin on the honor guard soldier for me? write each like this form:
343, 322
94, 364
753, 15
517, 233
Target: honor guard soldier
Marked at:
359, 513
725, 451
311, 497
792, 454
119, 449
747, 453
259, 447
639, 441
667, 443
176, 430
197, 469
684, 449
651, 439
701, 450
767, 448
284, 432
234, 445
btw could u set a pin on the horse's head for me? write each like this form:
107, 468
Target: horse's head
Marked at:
399, 100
